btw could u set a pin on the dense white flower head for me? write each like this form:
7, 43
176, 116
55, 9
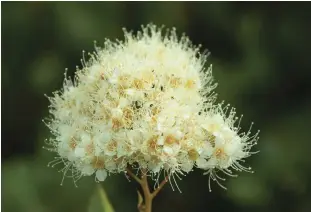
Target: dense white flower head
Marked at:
146, 102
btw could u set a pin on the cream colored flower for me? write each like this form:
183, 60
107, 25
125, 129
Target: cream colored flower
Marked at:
146, 101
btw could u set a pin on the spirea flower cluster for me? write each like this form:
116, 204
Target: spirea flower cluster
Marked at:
146, 102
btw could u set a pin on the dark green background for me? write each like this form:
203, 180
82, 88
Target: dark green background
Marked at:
261, 60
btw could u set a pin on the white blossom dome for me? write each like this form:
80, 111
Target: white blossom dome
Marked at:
146, 101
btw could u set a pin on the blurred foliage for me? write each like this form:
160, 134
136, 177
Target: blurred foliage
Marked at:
100, 201
261, 60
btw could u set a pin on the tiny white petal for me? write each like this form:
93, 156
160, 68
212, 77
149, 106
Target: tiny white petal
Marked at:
87, 170
160, 140
201, 163
168, 150
130, 92
101, 174
79, 152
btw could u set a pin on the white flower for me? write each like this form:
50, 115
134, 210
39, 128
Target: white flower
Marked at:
144, 101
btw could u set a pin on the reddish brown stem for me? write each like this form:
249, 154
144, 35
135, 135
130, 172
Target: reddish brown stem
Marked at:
129, 172
156, 191
148, 196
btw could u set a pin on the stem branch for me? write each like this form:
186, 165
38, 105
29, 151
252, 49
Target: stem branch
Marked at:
155, 192
129, 172
148, 196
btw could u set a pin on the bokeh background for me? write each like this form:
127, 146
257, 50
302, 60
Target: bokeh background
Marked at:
261, 59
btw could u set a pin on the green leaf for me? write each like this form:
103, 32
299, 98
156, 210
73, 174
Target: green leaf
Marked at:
99, 201
20, 189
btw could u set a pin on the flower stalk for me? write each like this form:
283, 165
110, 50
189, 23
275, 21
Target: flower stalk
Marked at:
149, 101
146, 205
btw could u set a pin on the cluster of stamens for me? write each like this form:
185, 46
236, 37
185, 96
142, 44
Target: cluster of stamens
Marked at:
145, 103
